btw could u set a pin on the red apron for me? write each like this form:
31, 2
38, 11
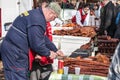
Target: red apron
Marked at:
82, 16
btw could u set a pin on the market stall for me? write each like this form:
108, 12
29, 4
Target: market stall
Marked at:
66, 43
68, 39
90, 68
84, 49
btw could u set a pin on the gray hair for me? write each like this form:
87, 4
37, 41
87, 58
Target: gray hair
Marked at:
55, 7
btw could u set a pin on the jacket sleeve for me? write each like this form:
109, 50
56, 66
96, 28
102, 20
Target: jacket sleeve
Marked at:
37, 41
117, 19
114, 69
50, 45
78, 18
108, 17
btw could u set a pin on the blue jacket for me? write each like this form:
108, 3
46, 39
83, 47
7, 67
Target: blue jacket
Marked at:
114, 69
27, 31
117, 32
117, 19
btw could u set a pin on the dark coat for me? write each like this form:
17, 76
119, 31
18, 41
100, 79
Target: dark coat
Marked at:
108, 16
27, 31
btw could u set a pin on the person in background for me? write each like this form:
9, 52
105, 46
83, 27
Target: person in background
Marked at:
96, 19
108, 16
101, 7
100, 3
79, 4
118, 6
82, 16
114, 69
27, 32
96, 10
65, 4
117, 32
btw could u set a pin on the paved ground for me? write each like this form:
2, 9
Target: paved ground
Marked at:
1, 71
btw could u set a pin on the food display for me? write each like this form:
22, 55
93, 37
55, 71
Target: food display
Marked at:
103, 47
77, 31
107, 45
97, 65
86, 46
69, 25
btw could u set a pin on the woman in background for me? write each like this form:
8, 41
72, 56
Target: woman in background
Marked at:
82, 16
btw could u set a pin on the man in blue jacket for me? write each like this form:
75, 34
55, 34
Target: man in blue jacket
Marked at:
27, 32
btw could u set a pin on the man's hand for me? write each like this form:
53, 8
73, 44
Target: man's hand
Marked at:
37, 57
52, 55
60, 53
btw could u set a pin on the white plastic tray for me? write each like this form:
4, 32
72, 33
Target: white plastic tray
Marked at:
68, 44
